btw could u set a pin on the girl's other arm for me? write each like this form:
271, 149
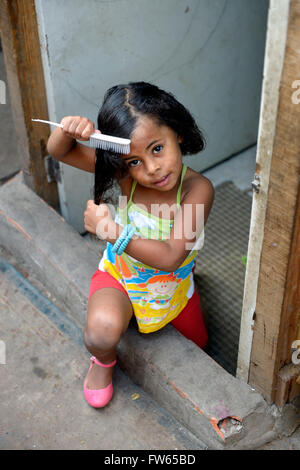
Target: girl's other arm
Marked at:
62, 143
190, 221
188, 225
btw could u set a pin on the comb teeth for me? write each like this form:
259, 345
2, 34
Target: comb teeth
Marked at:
110, 146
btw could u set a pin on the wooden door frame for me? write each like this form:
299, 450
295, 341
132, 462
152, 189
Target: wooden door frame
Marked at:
270, 318
25, 77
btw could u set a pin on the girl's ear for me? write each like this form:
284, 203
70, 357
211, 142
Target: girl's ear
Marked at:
180, 139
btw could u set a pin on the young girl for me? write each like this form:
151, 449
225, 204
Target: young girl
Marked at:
147, 267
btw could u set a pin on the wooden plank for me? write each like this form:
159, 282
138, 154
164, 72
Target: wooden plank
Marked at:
278, 17
290, 319
22, 55
278, 299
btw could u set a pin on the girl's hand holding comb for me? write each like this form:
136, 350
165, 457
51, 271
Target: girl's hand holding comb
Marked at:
78, 127
62, 143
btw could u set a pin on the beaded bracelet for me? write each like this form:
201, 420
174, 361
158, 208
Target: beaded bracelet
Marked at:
123, 235
123, 239
130, 230
125, 243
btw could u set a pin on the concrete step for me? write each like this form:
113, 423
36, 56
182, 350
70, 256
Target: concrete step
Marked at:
219, 409
41, 373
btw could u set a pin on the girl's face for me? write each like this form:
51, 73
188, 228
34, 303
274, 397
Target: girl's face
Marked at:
155, 158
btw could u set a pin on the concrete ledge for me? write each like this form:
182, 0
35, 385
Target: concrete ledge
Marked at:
221, 410
43, 241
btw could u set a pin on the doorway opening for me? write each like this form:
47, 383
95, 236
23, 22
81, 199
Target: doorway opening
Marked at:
221, 264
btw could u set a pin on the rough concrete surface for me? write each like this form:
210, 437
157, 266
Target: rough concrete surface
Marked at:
42, 405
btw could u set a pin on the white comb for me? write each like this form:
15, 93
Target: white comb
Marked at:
102, 141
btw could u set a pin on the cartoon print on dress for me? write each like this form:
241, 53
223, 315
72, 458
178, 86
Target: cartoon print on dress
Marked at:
128, 271
148, 315
120, 262
160, 289
174, 294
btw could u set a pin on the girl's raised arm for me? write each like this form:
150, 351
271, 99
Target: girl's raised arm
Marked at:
62, 144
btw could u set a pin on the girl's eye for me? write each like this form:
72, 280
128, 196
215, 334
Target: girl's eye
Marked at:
133, 163
157, 148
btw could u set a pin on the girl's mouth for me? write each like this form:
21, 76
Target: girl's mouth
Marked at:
163, 181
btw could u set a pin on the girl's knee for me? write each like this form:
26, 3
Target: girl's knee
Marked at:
103, 331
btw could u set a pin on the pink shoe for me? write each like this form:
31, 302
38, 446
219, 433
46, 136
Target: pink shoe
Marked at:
101, 397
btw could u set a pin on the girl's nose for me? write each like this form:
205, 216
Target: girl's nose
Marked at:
152, 167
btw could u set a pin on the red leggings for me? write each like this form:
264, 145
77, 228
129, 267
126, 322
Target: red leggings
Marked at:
189, 322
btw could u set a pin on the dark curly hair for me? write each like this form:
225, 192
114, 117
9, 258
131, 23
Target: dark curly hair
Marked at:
118, 116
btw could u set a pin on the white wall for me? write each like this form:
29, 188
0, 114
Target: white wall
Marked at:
209, 53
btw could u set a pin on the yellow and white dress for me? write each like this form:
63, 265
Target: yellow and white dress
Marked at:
157, 296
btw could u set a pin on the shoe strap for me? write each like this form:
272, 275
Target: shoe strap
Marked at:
94, 359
